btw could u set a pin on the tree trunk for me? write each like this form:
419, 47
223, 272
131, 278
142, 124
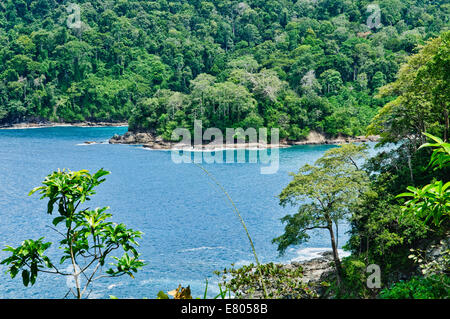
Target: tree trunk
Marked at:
408, 154
446, 124
337, 261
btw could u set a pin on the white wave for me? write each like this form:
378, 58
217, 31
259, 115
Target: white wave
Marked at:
304, 254
148, 148
200, 248
115, 285
96, 295
92, 143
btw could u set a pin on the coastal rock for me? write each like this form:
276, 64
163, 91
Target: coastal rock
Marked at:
132, 138
315, 138
315, 271
150, 140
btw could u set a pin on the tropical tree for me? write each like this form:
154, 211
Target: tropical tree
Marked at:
87, 237
324, 193
421, 97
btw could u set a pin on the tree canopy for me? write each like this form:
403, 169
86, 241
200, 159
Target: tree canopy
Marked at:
325, 193
298, 66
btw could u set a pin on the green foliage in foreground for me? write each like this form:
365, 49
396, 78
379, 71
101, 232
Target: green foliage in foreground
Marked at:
325, 194
385, 233
432, 202
388, 223
185, 293
428, 203
433, 287
87, 237
280, 282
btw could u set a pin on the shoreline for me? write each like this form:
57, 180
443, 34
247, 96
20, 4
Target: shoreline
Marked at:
28, 125
314, 272
149, 141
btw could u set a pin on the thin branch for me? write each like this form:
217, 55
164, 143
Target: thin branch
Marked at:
50, 272
55, 230
65, 296
89, 294
88, 265
353, 162
108, 276
90, 278
243, 225
54, 272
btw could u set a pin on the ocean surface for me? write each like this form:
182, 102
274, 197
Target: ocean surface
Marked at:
190, 229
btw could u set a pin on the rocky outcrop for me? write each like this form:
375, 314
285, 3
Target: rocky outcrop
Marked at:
318, 269
132, 138
315, 138
314, 271
149, 140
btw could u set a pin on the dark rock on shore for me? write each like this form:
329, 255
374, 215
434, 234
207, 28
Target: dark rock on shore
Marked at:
315, 271
146, 139
132, 138
314, 138
149, 140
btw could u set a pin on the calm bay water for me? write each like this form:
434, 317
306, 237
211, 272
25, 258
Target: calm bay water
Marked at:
190, 230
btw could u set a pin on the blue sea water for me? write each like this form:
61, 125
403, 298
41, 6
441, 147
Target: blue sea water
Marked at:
190, 229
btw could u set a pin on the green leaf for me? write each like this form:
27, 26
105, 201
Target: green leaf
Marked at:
405, 195
434, 138
58, 219
101, 173
162, 295
34, 190
25, 277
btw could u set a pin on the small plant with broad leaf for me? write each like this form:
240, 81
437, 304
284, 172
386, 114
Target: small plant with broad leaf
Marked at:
87, 237
431, 202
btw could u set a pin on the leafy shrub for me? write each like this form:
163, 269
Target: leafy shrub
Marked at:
433, 287
281, 281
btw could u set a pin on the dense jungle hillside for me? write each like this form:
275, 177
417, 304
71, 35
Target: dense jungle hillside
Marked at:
296, 65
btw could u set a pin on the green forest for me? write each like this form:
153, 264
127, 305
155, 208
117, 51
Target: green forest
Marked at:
294, 65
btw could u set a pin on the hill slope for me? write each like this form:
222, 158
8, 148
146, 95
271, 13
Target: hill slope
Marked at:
310, 64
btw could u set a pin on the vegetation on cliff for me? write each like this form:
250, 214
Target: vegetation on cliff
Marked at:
298, 66
399, 215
